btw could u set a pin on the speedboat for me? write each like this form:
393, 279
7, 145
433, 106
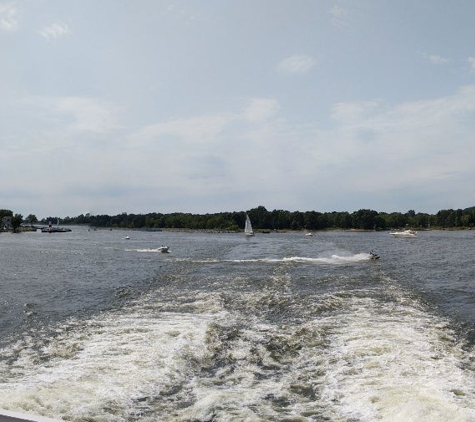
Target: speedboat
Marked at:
309, 234
163, 249
403, 233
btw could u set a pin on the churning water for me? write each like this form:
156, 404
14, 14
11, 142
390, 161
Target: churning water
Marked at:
279, 327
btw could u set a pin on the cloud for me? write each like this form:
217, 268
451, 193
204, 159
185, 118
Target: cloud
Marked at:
74, 114
89, 114
205, 153
471, 60
296, 64
8, 17
352, 112
374, 148
206, 129
339, 16
408, 145
55, 31
201, 129
260, 109
435, 59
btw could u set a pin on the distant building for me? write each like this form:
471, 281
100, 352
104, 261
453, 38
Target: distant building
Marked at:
6, 223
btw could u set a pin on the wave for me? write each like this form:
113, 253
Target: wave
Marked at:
333, 259
145, 250
366, 360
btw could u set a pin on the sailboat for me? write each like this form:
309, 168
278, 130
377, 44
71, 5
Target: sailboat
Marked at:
248, 227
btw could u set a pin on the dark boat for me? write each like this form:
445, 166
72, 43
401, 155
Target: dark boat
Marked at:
54, 229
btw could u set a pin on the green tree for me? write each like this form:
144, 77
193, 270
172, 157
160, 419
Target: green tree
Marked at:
16, 221
340, 220
31, 219
466, 220
445, 218
395, 220
421, 220
260, 217
364, 219
280, 219
5, 213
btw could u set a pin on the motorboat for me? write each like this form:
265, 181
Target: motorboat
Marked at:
309, 234
403, 233
54, 229
163, 249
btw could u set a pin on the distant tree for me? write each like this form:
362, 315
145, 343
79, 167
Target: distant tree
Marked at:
364, 219
16, 221
466, 220
31, 219
277, 219
297, 220
421, 220
261, 218
5, 213
379, 222
395, 220
445, 218
340, 220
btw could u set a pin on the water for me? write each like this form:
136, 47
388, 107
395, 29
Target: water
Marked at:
279, 327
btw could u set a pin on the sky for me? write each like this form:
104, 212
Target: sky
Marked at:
205, 106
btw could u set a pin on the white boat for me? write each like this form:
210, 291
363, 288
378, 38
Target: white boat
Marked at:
163, 249
248, 227
404, 233
309, 234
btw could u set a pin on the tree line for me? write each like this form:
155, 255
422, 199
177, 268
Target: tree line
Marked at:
264, 220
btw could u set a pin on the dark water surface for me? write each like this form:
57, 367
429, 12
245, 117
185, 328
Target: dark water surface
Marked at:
277, 327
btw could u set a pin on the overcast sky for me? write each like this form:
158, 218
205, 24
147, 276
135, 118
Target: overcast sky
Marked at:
202, 106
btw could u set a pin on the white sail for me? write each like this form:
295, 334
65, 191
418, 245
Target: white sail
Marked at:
248, 227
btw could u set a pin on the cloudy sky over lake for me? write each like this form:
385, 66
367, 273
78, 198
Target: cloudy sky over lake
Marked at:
204, 106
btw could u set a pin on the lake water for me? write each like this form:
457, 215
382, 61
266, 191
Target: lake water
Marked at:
278, 327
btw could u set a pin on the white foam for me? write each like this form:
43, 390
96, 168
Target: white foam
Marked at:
334, 259
365, 360
145, 250
397, 365
110, 363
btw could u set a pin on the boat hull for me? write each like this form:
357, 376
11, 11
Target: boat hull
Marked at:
55, 230
405, 233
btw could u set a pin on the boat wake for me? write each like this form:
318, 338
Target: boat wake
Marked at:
365, 360
331, 260
148, 250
